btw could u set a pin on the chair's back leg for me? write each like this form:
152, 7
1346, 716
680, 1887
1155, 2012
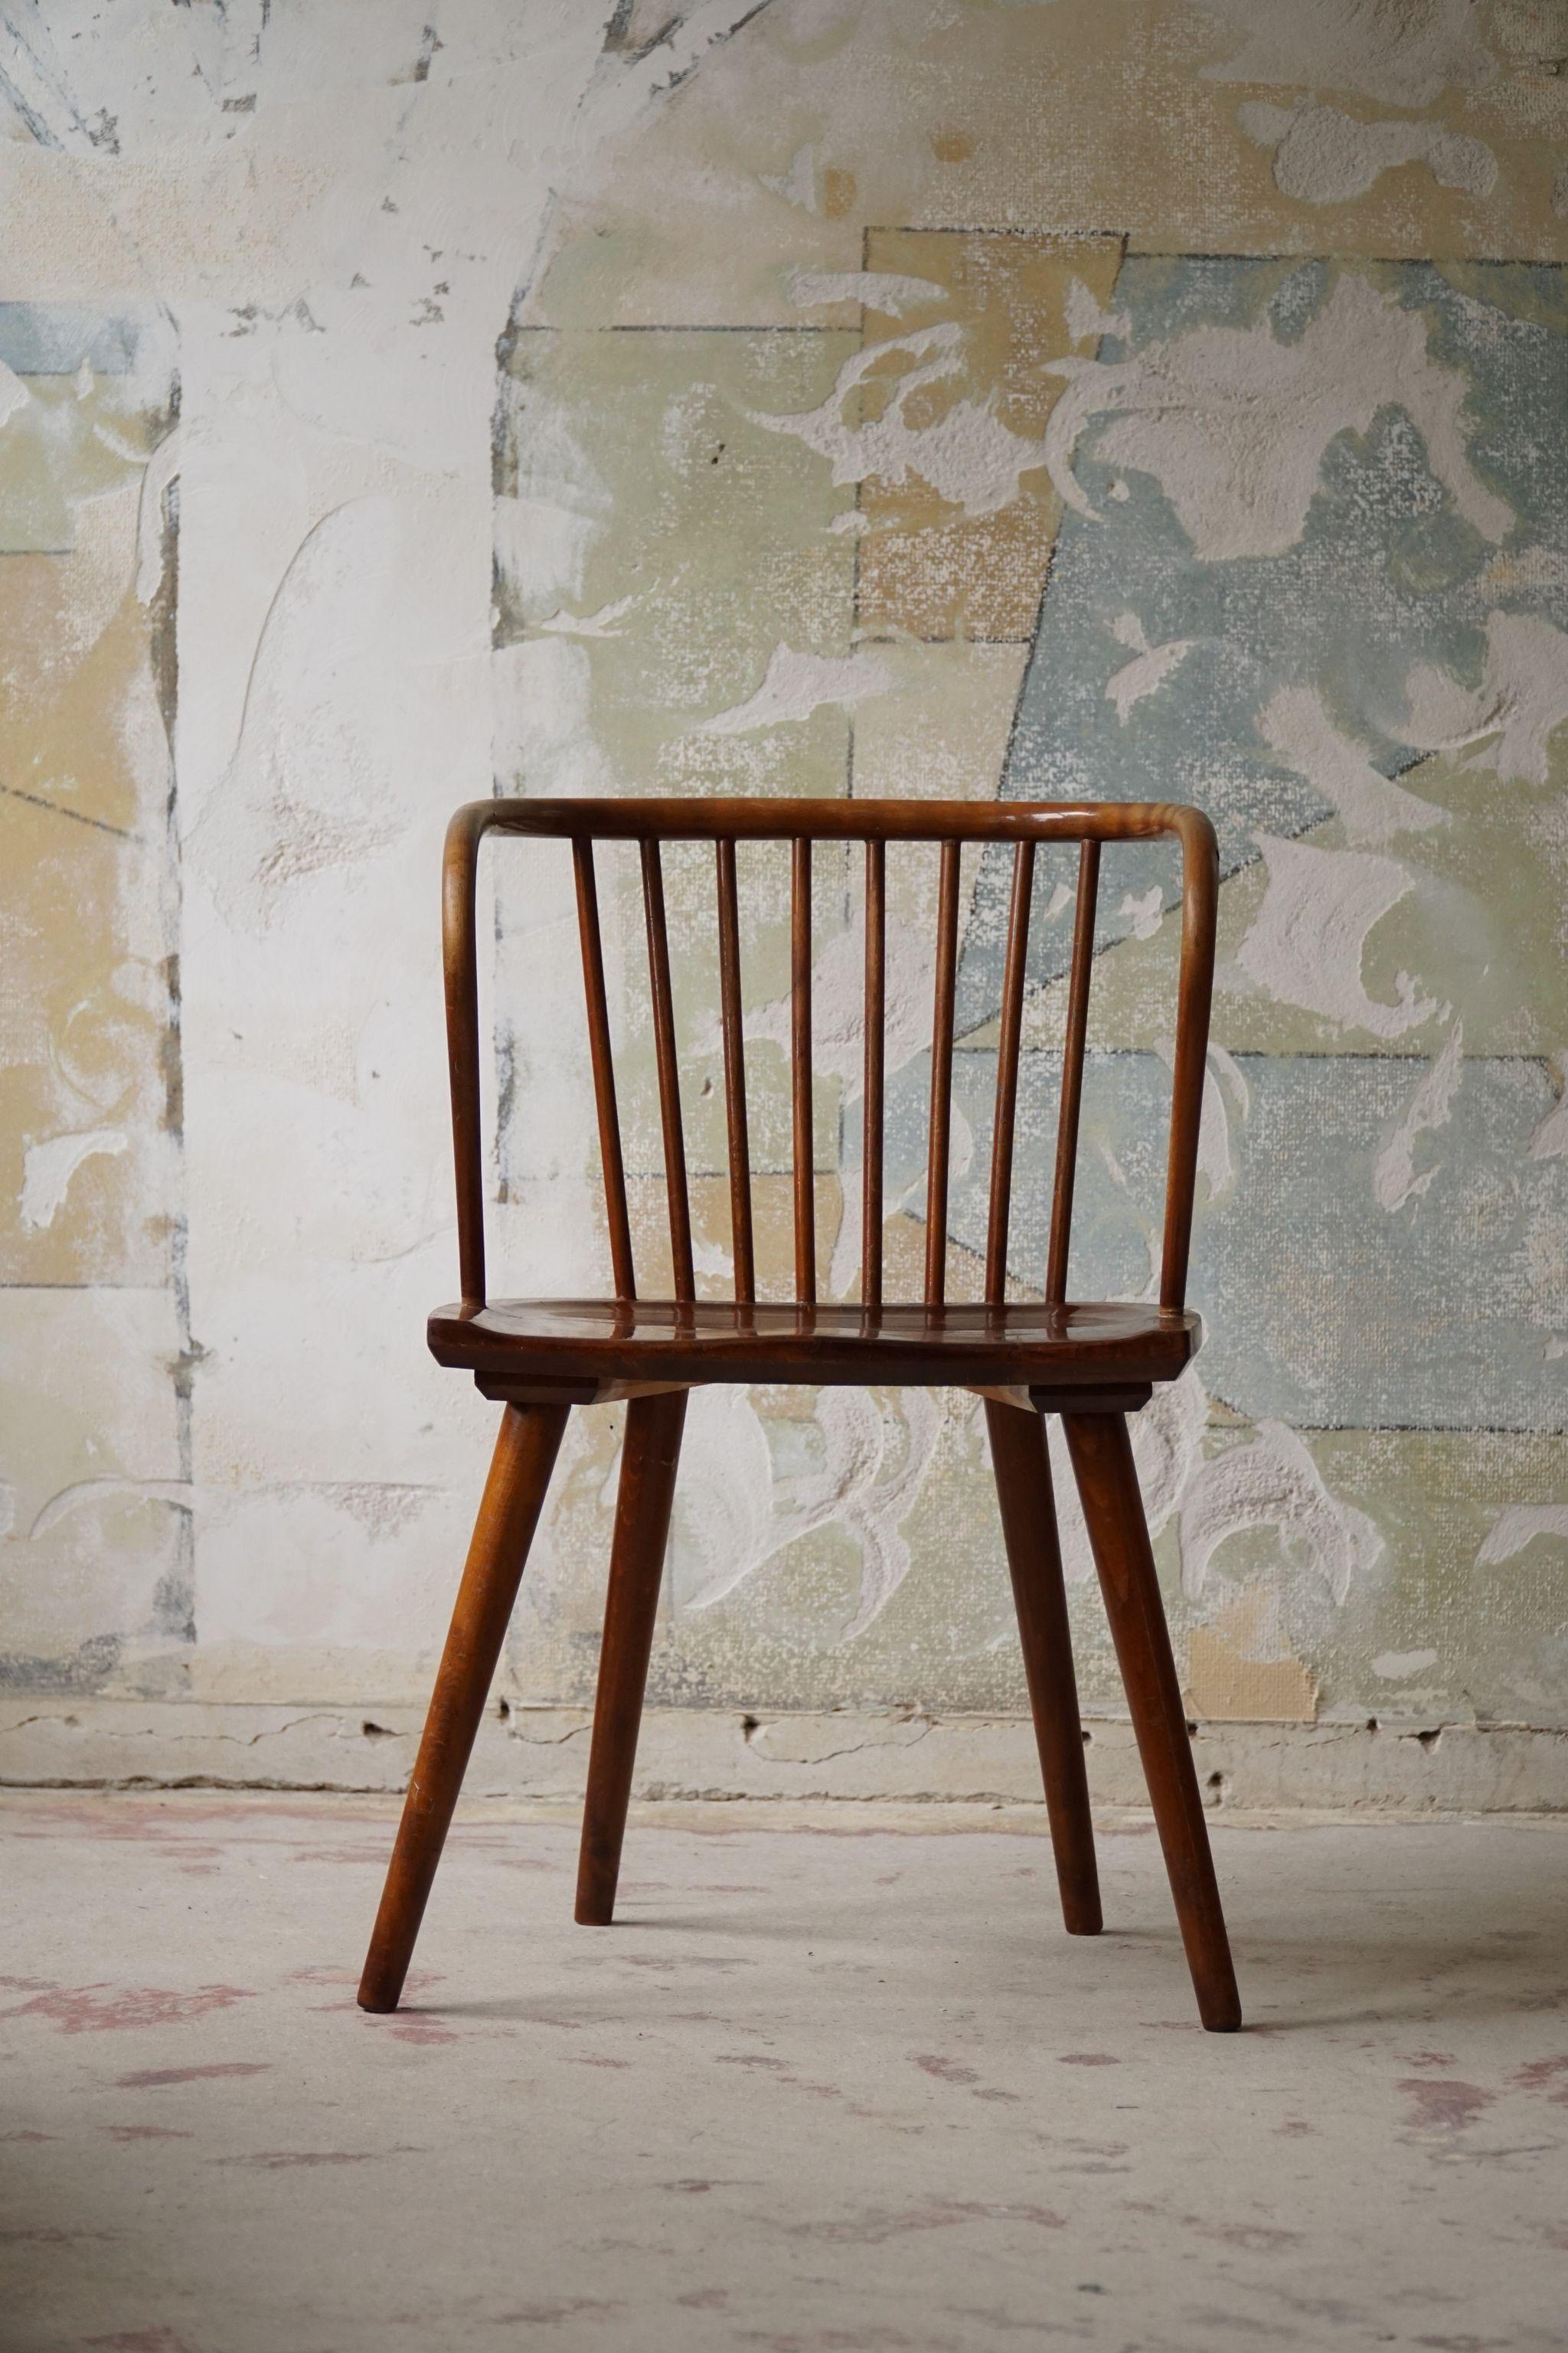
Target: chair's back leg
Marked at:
1034, 1556
1107, 1482
650, 1451
525, 1453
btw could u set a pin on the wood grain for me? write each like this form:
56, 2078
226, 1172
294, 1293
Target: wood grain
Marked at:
1108, 1483
964, 1342
623, 1272
872, 1066
941, 1125
733, 1023
650, 1452
526, 1448
804, 1142
1072, 1071
1015, 971
669, 1063
1023, 1471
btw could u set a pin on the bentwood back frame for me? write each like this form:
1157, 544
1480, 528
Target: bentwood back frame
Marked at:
1094, 1363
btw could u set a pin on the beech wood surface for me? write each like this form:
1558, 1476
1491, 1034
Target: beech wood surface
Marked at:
526, 1447
1072, 1070
871, 1104
1093, 1361
1023, 1471
650, 1451
941, 1127
1015, 972
669, 1063
602, 1061
965, 1343
800, 1072
733, 1018
1108, 1482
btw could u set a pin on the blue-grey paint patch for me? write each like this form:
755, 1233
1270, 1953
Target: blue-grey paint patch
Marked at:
1322, 1309
54, 338
1387, 573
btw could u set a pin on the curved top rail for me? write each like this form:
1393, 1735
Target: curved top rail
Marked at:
651, 818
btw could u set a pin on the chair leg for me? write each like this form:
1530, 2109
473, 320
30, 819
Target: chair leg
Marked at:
1034, 1556
1102, 1461
526, 1448
650, 1452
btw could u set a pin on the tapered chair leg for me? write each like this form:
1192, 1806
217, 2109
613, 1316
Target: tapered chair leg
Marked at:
1102, 1462
525, 1453
1034, 1556
649, 1454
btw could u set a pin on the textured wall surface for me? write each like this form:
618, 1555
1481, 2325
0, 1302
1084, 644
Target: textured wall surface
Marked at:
935, 397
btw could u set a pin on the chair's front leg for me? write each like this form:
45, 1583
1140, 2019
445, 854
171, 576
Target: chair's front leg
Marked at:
649, 1454
1023, 1471
525, 1453
1107, 1482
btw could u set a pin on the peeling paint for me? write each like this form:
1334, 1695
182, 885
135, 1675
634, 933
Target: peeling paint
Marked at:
734, 1515
13, 395
1307, 943
1398, 1666
1549, 1141
1234, 423
1273, 1482
1394, 1180
51, 1164
796, 684
968, 455
1225, 1088
1141, 914
1404, 52
1325, 157
890, 290
1087, 318
1519, 1525
1508, 722
1147, 671
1373, 807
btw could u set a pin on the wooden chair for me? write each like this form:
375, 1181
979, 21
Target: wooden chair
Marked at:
1093, 1363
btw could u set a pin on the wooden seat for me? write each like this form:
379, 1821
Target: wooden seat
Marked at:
603, 1345
1093, 1362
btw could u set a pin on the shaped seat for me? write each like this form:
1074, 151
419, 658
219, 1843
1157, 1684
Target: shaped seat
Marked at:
606, 1343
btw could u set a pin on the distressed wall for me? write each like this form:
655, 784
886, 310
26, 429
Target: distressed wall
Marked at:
967, 397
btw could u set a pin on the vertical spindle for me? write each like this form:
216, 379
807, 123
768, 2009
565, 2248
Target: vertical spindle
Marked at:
735, 1076
940, 1131
1014, 970
668, 1073
1200, 900
610, 1159
871, 1105
1072, 1072
800, 1072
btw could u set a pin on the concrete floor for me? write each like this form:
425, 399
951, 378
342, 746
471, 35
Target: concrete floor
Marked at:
839, 2081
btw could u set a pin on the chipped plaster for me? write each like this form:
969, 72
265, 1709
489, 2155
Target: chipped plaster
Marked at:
1233, 422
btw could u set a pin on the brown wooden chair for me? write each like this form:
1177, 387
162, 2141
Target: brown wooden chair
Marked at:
1091, 1363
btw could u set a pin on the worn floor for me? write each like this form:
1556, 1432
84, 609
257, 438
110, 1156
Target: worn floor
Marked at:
835, 2082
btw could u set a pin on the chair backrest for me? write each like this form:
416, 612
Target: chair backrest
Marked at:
950, 825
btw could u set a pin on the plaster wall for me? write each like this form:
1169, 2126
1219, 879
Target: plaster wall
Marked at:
967, 397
